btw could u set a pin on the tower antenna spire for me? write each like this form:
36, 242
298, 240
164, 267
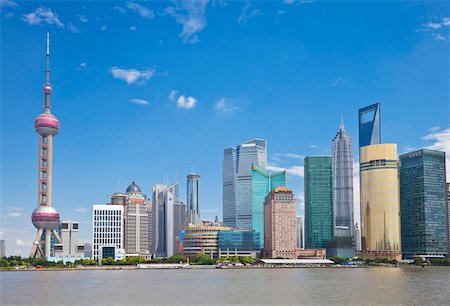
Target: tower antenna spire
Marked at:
342, 123
47, 86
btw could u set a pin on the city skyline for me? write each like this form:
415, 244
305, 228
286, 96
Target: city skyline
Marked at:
149, 87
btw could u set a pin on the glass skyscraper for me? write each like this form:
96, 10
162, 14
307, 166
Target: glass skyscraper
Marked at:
319, 223
262, 183
369, 125
193, 199
237, 181
343, 179
423, 203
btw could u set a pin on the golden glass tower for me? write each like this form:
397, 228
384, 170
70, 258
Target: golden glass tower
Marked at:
380, 201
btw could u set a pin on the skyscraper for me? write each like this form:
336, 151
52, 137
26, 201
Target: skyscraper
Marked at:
108, 230
380, 201
280, 224
2, 248
300, 236
319, 223
193, 199
156, 204
423, 207
136, 222
262, 183
45, 218
171, 220
343, 179
369, 125
237, 184
448, 219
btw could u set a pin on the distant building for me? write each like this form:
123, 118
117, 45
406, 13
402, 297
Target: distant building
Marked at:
280, 224
262, 183
202, 240
2, 248
237, 183
300, 235
107, 229
87, 250
448, 218
311, 253
369, 125
69, 246
193, 199
319, 222
156, 205
239, 243
423, 205
136, 222
171, 220
380, 201
342, 243
357, 238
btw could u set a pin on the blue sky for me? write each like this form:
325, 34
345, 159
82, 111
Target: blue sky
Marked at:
150, 91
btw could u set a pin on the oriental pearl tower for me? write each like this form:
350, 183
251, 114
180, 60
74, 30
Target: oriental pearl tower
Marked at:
45, 218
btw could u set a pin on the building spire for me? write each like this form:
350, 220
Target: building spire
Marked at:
47, 86
341, 127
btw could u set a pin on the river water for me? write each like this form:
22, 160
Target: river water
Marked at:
328, 286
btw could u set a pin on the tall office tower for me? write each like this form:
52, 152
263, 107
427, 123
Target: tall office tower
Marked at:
343, 179
262, 183
156, 190
300, 238
380, 201
193, 199
107, 230
237, 181
319, 222
171, 220
45, 218
2, 248
70, 247
280, 224
150, 226
369, 125
423, 205
448, 219
136, 222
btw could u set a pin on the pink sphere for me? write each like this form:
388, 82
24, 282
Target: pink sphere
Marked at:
45, 217
46, 124
47, 89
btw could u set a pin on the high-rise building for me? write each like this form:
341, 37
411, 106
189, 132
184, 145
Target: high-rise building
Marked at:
448, 219
45, 218
136, 222
262, 183
171, 220
423, 206
343, 179
280, 224
237, 181
369, 125
156, 204
193, 199
300, 236
380, 201
319, 222
2, 248
357, 237
108, 230
70, 247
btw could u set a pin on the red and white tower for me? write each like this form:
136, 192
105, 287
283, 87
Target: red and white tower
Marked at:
45, 218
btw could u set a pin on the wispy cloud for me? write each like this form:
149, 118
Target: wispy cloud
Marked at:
103, 28
436, 28
133, 28
42, 15
173, 95
72, 28
119, 9
337, 81
191, 14
186, 102
139, 101
141, 10
439, 37
20, 242
292, 170
225, 105
248, 11
82, 18
284, 156
82, 210
132, 75
439, 139
313, 146
298, 1
209, 210
8, 3
14, 212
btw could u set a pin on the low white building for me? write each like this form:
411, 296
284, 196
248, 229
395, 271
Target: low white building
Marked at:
107, 229
69, 246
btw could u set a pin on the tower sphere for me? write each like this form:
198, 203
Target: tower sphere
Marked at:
46, 124
47, 89
45, 217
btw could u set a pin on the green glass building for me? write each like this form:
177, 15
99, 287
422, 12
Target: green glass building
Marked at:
319, 223
262, 183
423, 207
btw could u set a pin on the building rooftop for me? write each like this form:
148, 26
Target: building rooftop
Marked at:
297, 261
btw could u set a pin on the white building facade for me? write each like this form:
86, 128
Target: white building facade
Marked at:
107, 229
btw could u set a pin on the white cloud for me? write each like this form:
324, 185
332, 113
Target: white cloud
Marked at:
132, 75
133, 28
186, 102
440, 140
433, 25
81, 210
292, 170
225, 105
209, 210
337, 81
191, 15
139, 101
119, 9
20, 242
72, 28
298, 1
173, 95
248, 12
281, 12
83, 65
82, 18
42, 15
141, 10
313, 146
8, 3
103, 28
14, 212
439, 37
283, 156
445, 21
